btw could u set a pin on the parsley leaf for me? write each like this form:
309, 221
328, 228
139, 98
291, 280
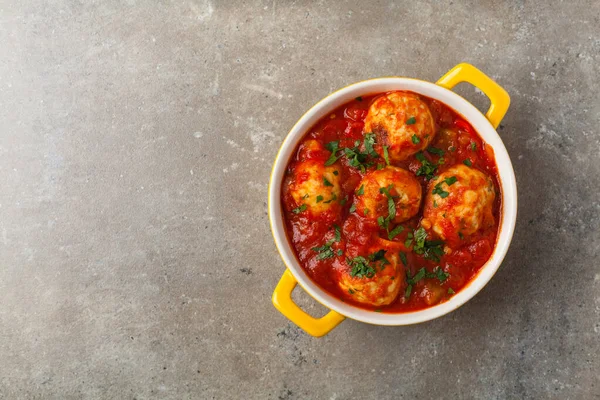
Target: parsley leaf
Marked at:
427, 168
473, 146
415, 139
361, 190
430, 249
319, 198
451, 291
436, 151
326, 182
438, 187
334, 197
403, 258
467, 162
385, 155
395, 232
352, 208
326, 251
299, 209
333, 147
361, 268
359, 98
336, 173
450, 180
367, 267
411, 121
369, 142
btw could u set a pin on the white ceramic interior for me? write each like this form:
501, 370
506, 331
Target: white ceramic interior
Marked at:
481, 125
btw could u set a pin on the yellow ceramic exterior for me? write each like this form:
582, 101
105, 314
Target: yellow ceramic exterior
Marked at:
499, 99
282, 295
282, 300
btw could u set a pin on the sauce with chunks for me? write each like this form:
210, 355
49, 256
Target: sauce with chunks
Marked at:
420, 236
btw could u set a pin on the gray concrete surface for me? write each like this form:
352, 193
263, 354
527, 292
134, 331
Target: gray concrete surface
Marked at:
136, 142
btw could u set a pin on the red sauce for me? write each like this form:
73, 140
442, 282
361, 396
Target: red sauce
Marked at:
345, 124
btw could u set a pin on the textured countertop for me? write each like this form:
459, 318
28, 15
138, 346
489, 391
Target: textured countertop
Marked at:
136, 142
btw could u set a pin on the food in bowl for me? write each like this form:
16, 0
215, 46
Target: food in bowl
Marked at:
392, 202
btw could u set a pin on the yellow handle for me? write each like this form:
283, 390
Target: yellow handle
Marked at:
282, 300
499, 99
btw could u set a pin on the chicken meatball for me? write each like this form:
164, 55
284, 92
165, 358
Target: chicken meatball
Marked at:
458, 203
315, 189
371, 198
374, 279
402, 122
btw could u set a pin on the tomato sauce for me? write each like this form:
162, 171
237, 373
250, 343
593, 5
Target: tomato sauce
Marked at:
357, 234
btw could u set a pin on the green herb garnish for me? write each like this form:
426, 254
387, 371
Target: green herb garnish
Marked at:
415, 139
473, 146
411, 121
333, 147
395, 232
361, 190
319, 198
385, 155
359, 98
299, 209
326, 182
403, 258
467, 162
352, 208
427, 167
436, 151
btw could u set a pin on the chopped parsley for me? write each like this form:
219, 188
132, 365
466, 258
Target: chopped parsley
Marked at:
367, 267
305, 196
361, 190
369, 143
385, 222
326, 251
395, 232
326, 182
380, 166
460, 235
473, 146
467, 162
336, 173
352, 208
334, 197
403, 258
333, 147
436, 151
359, 98
451, 291
385, 155
427, 167
319, 198
415, 139
350, 291
344, 200
361, 268
366, 211
411, 121
423, 274
299, 209
429, 249
450, 180
440, 191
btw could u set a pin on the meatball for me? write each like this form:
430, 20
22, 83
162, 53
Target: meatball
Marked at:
372, 202
317, 187
374, 279
458, 203
402, 122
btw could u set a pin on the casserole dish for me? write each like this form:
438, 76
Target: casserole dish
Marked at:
485, 125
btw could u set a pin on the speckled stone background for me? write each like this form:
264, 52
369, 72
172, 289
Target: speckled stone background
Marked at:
136, 140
